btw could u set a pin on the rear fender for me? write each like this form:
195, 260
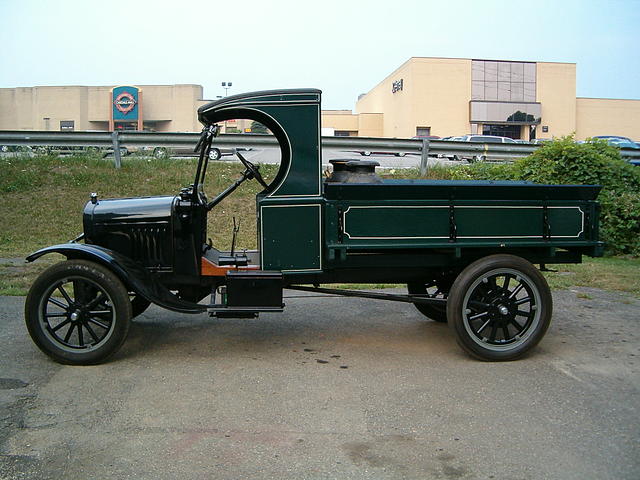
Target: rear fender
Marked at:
135, 277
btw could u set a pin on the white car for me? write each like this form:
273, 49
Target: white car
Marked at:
486, 139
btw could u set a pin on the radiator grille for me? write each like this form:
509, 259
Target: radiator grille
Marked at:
151, 245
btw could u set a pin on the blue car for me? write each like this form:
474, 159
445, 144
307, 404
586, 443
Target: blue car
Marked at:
622, 142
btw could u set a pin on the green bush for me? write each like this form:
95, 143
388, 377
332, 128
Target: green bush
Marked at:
592, 163
484, 171
620, 221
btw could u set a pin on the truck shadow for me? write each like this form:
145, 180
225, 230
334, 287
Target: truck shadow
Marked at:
377, 331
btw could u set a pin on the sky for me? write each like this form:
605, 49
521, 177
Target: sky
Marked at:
342, 47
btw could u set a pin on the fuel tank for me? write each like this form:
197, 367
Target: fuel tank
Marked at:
139, 228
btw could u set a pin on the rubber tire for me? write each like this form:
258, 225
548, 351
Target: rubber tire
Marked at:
433, 312
463, 283
160, 153
106, 280
215, 154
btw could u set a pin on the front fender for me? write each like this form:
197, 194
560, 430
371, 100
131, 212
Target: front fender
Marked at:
132, 274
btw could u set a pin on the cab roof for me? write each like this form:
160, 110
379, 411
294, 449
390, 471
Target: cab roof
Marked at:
264, 97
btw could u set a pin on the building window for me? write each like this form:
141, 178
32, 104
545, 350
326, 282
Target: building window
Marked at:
503, 81
511, 131
423, 131
345, 133
66, 125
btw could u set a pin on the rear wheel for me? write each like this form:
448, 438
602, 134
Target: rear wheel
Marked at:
437, 288
78, 312
499, 307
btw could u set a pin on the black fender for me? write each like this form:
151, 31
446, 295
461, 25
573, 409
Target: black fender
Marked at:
135, 277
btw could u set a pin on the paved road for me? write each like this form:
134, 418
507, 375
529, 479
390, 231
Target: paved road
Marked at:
272, 155
393, 398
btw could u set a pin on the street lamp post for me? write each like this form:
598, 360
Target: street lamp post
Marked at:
226, 86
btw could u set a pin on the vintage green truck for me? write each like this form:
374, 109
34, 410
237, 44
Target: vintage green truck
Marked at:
465, 249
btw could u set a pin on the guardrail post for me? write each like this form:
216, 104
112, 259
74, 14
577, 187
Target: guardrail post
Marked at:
424, 158
116, 149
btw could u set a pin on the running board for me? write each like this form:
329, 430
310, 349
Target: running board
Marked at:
222, 311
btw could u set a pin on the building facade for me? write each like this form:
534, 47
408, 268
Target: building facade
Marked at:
424, 96
162, 108
454, 96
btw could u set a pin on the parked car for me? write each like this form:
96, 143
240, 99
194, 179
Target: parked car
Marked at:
15, 148
214, 154
622, 142
367, 153
616, 141
486, 139
71, 150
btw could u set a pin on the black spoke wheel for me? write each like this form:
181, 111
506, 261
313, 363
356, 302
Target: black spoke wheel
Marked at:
78, 312
499, 307
432, 289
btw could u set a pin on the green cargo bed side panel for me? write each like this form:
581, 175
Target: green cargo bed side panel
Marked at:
291, 237
396, 222
472, 222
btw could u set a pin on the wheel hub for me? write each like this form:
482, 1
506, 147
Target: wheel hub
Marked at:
75, 316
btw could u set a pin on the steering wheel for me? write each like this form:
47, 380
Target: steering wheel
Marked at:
253, 169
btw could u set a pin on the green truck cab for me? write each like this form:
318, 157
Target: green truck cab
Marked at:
465, 249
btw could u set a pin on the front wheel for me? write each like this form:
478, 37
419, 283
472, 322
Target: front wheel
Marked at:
78, 312
499, 307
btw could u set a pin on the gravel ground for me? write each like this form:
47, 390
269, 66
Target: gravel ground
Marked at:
332, 388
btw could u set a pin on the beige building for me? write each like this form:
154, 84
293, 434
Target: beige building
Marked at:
454, 96
163, 108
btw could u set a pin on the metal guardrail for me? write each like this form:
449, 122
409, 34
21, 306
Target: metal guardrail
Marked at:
364, 145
